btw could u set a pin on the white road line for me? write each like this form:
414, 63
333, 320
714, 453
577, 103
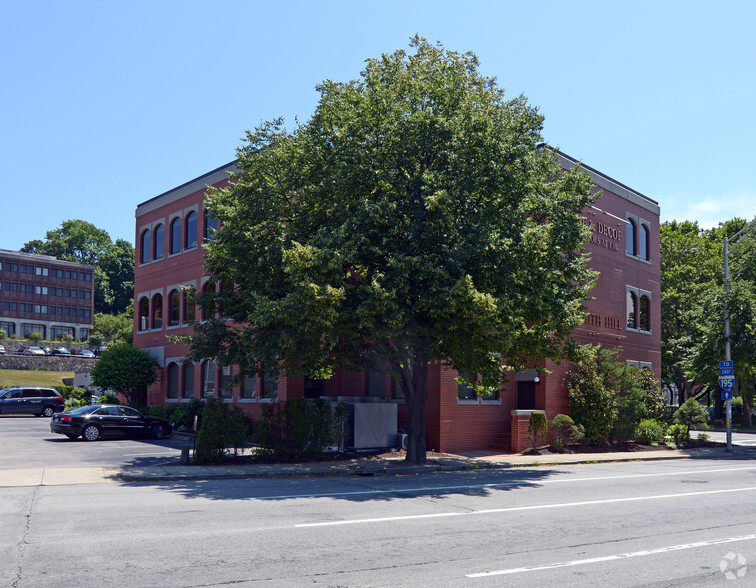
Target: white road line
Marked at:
145, 454
518, 482
522, 508
579, 562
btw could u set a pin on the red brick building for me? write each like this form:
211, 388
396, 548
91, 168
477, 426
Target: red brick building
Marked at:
44, 295
624, 312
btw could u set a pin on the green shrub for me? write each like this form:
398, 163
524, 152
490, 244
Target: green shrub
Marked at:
299, 428
108, 399
76, 393
703, 437
3, 334
692, 414
592, 404
237, 428
650, 432
538, 427
193, 408
564, 432
211, 440
34, 337
678, 433
72, 403
66, 337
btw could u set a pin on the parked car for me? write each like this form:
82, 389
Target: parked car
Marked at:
2, 350
85, 353
109, 420
34, 351
61, 351
30, 400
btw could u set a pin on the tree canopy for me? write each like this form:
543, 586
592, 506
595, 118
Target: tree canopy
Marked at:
127, 370
412, 220
82, 242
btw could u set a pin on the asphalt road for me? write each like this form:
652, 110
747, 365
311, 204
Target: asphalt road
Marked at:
26, 442
683, 523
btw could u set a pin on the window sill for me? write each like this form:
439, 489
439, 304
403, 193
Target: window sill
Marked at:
467, 401
247, 400
267, 400
491, 401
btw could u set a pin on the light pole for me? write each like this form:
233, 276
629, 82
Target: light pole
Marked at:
736, 239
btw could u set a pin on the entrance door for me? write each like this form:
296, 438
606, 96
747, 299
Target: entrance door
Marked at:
526, 395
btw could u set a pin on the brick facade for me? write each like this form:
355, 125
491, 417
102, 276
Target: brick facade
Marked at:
453, 424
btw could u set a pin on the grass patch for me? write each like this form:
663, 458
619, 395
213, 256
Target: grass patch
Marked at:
32, 378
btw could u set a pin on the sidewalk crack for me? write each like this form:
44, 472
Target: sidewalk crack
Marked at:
29, 507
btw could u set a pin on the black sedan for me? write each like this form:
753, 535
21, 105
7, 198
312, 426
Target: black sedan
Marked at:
105, 420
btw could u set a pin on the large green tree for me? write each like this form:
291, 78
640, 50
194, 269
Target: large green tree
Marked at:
127, 370
82, 242
691, 265
412, 220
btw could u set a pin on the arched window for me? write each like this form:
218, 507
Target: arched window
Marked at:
207, 289
189, 305
173, 380
211, 225
208, 378
188, 387
632, 310
643, 232
144, 314
630, 242
157, 311
645, 313
145, 243
191, 230
174, 302
159, 242
176, 235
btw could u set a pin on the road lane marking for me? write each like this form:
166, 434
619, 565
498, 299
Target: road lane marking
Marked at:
522, 508
580, 562
494, 484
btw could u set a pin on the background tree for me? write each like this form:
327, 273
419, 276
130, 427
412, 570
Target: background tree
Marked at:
691, 265
412, 220
127, 370
115, 328
82, 242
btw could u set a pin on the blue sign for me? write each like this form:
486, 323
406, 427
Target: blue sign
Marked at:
727, 394
725, 364
726, 382
726, 372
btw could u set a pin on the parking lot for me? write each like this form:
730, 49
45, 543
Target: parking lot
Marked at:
27, 442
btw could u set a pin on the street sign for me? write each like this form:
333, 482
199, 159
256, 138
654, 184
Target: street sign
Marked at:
726, 372
725, 364
727, 394
726, 382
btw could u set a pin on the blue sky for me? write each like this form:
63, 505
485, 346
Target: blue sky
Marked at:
105, 105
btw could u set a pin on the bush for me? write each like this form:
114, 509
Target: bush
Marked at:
211, 448
72, 403
221, 428
692, 414
564, 432
538, 427
66, 337
107, 399
3, 334
34, 337
650, 432
299, 428
71, 392
194, 407
678, 433
592, 404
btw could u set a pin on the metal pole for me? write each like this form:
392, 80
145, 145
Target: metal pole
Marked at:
728, 412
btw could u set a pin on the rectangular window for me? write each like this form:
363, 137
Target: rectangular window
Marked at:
226, 382
68, 274
269, 387
14, 267
74, 276
23, 268
249, 387
464, 392
38, 271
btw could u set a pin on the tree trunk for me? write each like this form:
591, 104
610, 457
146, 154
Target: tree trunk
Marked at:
413, 380
745, 418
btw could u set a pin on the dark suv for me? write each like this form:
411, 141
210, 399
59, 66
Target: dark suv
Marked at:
27, 400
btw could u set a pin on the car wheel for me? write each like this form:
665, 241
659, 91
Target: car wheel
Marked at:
48, 411
71, 436
158, 431
90, 433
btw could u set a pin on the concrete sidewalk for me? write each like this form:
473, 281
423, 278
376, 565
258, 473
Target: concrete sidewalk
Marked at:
379, 466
